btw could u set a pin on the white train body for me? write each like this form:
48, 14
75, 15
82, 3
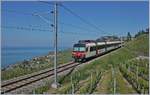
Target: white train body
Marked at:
86, 50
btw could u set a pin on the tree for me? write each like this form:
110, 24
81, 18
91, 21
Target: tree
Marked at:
128, 36
146, 31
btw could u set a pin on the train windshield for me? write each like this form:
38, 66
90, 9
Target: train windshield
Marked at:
79, 49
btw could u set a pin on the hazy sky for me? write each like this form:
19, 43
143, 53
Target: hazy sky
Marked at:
114, 18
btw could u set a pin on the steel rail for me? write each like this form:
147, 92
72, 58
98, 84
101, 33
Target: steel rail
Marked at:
48, 73
11, 81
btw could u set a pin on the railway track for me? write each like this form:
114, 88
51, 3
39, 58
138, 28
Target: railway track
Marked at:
19, 82
13, 84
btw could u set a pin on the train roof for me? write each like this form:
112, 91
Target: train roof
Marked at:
108, 38
86, 41
93, 43
79, 45
84, 44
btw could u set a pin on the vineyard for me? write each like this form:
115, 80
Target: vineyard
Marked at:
82, 81
120, 72
137, 74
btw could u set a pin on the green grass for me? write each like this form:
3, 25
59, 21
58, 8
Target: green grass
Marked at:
104, 84
140, 45
65, 56
42, 89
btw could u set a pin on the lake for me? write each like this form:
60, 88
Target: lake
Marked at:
13, 55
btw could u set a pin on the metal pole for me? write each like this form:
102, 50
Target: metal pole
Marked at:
114, 80
114, 83
129, 68
91, 81
55, 26
105, 46
55, 84
137, 76
72, 85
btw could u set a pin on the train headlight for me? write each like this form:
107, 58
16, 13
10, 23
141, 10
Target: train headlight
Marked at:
73, 53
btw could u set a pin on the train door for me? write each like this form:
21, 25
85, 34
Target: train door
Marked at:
96, 49
87, 52
92, 51
105, 46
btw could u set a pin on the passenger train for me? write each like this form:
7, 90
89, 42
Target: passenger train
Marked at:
89, 48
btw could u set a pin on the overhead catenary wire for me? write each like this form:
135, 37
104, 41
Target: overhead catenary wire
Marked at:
24, 28
17, 12
44, 19
82, 19
35, 14
32, 14
29, 28
70, 11
85, 30
51, 2
78, 16
72, 25
32, 28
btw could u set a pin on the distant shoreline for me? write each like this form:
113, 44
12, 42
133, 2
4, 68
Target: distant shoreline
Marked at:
39, 52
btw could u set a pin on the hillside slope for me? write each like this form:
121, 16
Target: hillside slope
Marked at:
140, 45
98, 76
103, 83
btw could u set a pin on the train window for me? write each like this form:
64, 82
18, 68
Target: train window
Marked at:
79, 49
82, 49
86, 48
75, 49
93, 48
101, 46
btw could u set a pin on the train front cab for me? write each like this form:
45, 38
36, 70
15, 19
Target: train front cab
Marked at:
79, 52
